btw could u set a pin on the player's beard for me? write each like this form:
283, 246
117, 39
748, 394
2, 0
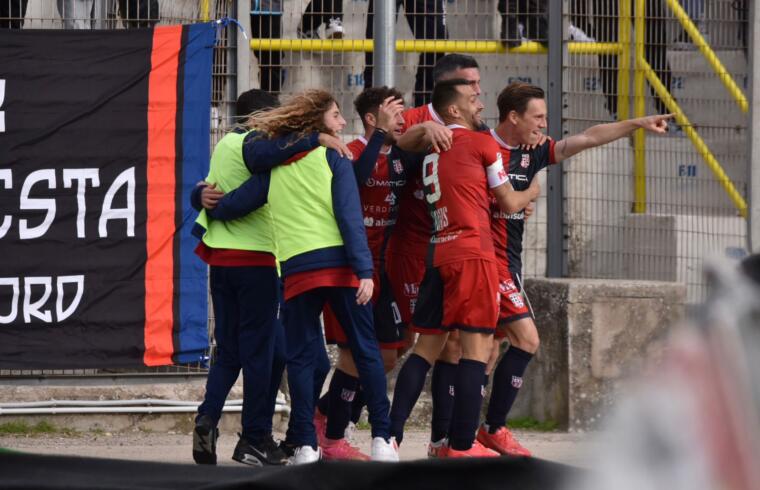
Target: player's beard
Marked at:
389, 138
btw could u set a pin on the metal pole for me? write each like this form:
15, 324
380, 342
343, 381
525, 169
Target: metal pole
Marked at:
555, 197
753, 220
384, 58
243, 49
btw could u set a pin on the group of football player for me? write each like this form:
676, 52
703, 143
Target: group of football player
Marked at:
408, 238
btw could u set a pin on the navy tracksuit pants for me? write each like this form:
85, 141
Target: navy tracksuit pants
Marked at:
305, 347
247, 330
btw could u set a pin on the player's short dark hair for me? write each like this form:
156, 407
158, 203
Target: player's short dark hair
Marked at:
370, 99
452, 62
253, 100
445, 93
515, 97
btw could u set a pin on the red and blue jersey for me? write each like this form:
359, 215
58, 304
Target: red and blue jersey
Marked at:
412, 233
381, 176
508, 229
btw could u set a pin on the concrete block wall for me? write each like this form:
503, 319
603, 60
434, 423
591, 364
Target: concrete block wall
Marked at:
594, 334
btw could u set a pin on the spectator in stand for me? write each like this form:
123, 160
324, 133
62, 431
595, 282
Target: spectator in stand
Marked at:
266, 23
523, 20
318, 12
12, 13
604, 29
138, 13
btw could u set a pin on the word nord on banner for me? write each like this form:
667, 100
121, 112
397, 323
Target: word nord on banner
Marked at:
36, 294
79, 180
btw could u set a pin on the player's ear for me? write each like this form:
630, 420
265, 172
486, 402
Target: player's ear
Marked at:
513, 117
453, 111
370, 119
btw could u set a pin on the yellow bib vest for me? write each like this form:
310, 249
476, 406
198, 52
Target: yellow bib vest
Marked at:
300, 196
228, 171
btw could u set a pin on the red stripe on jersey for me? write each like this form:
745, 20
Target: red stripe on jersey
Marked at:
379, 203
225, 257
297, 157
301, 282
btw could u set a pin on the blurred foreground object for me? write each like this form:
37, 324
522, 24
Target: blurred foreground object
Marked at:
694, 420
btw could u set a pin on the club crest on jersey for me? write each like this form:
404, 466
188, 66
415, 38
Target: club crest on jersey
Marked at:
348, 395
451, 390
517, 381
516, 299
525, 160
397, 166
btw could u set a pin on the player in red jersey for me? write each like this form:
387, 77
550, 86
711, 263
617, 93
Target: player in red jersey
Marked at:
460, 288
405, 258
380, 172
522, 120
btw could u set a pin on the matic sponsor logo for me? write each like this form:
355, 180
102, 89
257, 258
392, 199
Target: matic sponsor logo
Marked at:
384, 183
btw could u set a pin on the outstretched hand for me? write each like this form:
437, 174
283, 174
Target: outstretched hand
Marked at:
656, 124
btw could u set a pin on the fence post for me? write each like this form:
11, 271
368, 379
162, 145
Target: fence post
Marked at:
624, 59
243, 71
753, 220
555, 224
385, 43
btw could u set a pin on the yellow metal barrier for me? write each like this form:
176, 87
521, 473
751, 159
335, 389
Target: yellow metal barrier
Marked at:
709, 55
697, 141
645, 72
204, 11
427, 46
639, 110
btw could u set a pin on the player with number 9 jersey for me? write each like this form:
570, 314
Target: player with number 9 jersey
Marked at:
456, 191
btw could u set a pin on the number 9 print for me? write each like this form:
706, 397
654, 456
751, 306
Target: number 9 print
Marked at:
430, 178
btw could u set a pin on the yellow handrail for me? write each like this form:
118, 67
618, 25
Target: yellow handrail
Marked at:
709, 54
697, 141
427, 46
639, 109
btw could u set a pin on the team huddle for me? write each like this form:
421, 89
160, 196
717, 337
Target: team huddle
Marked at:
409, 237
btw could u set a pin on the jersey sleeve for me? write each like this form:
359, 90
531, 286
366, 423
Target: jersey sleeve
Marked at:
492, 161
262, 154
366, 157
544, 155
348, 214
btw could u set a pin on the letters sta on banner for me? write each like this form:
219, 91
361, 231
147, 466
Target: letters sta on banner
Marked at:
100, 146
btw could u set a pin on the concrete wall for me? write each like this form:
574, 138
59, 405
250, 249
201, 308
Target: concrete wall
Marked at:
594, 333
